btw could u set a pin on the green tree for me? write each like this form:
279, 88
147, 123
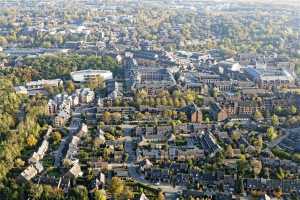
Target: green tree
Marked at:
35, 192
78, 193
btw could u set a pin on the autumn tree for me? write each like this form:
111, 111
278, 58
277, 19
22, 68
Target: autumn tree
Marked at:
95, 83
117, 187
106, 117
70, 87
100, 195
258, 115
272, 133
236, 135
293, 110
229, 151
280, 174
275, 120
256, 167
161, 196
56, 137
31, 140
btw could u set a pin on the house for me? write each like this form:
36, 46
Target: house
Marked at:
145, 165
86, 95
74, 172
193, 113
52, 107
97, 183
209, 144
61, 119
31, 171
218, 113
40, 153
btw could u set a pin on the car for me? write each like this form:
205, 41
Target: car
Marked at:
157, 183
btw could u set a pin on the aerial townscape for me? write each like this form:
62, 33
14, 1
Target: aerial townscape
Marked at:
149, 100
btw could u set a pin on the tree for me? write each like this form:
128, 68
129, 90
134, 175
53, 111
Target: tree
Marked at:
139, 116
258, 143
7, 121
100, 195
56, 137
161, 196
116, 117
278, 193
31, 140
35, 192
215, 92
256, 167
70, 87
229, 151
19, 162
3, 41
275, 120
106, 117
128, 194
293, 110
142, 94
50, 193
78, 193
190, 96
278, 110
280, 174
117, 187
271, 133
95, 83
258, 115
235, 135
46, 44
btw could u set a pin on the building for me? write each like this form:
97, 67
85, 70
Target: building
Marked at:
85, 75
40, 84
267, 77
86, 95
193, 113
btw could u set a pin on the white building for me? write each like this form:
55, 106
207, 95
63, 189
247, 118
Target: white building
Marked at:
40, 84
84, 75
